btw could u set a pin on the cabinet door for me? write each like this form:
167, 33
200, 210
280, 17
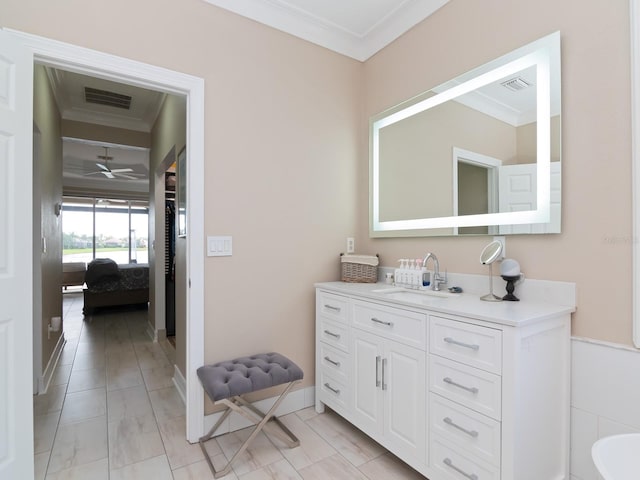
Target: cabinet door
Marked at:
405, 384
367, 380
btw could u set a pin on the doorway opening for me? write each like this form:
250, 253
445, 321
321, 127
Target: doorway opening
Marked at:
475, 188
88, 62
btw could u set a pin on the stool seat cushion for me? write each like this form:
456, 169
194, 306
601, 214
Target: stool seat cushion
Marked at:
247, 374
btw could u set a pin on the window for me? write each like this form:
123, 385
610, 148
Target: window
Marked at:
105, 228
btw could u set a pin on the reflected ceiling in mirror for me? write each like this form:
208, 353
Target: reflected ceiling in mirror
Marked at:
479, 154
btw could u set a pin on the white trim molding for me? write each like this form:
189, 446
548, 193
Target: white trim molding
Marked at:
180, 383
45, 379
360, 45
634, 11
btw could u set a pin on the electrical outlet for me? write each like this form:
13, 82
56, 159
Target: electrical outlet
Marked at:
503, 241
351, 245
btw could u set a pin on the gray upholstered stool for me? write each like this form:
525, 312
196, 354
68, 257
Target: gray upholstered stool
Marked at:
226, 382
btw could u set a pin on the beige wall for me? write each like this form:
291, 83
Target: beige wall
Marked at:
526, 141
101, 133
48, 180
594, 249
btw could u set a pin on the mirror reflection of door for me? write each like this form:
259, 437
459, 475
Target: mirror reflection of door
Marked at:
473, 195
475, 188
518, 192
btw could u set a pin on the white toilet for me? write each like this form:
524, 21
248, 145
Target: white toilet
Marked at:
618, 457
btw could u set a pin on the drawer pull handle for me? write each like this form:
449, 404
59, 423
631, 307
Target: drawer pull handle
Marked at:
332, 362
334, 390
449, 463
471, 433
384, 364
378, 358
331, 307
473, 390
382, 322
462, 344
334, 335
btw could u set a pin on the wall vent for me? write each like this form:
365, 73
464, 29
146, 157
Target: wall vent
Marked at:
516, 84
104, 97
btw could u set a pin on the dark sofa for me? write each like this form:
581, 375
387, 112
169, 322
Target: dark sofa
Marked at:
109, 284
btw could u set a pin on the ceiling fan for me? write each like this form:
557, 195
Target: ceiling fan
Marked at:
113, 172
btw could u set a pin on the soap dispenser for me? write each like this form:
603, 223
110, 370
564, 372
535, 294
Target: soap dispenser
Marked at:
421, 274
399, 272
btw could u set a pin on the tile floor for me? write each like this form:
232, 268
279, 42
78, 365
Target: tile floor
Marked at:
112, 412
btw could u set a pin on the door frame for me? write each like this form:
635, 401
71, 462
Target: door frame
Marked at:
85, 61
492, 165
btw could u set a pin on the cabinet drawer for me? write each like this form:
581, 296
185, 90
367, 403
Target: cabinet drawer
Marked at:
333, 392
401, 325
334, 361
475, 433
332, 306
479, 390
473, 345
334, 333
453, 464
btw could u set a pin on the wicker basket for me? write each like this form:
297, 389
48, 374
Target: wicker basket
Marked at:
359, 268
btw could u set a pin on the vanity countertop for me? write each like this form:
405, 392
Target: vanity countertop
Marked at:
462, 304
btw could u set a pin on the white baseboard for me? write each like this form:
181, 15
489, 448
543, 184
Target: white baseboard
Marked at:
45, 379
156, 335
296, 400
180, 383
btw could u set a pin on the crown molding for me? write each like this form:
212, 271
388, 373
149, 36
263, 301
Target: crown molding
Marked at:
302, 24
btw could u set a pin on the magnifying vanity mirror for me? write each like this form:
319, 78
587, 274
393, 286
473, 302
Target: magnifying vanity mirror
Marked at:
490, 254
479, 154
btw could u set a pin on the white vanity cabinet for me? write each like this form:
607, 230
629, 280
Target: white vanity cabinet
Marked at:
458, 388
389, 400
333, 355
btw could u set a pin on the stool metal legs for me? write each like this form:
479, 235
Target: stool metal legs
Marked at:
236, 404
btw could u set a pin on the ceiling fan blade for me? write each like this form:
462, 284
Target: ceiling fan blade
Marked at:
129, 177
93, 173
103, 167
108, 174
121, 170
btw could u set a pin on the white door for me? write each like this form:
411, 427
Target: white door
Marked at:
16, 289
405, 400
518, 192
367, 354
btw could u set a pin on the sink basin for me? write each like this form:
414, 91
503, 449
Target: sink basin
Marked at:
420, 293
419, 297
617, 457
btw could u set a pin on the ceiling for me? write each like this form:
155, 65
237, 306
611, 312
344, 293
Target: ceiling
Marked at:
355, 28
102, 102
94, 100
81, 172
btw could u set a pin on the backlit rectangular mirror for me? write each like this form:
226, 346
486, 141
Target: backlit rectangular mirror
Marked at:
477, 155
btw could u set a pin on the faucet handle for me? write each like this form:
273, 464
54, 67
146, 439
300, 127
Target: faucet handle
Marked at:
438, 280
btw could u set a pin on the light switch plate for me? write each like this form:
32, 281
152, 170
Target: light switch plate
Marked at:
220, 246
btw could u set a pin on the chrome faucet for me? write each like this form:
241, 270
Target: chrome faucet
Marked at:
437, 279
